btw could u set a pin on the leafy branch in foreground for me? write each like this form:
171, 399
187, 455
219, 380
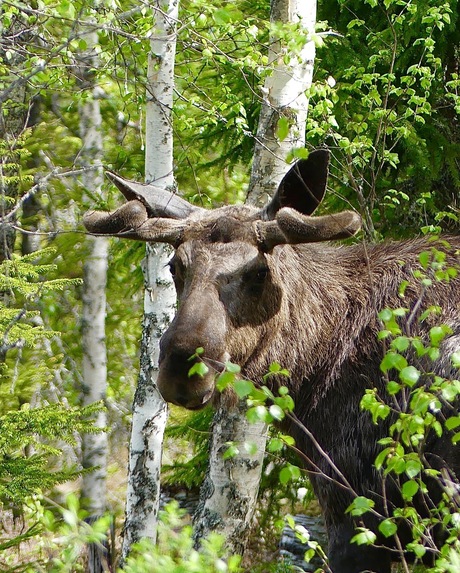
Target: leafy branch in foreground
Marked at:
420, 405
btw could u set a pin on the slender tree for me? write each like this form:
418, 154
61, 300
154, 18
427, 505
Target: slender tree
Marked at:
229, 493
149, 409
94, 379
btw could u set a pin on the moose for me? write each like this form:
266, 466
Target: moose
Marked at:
264, 285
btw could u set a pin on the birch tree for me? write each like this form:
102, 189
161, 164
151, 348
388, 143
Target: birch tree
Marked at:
149, 409
94, 371
229, 493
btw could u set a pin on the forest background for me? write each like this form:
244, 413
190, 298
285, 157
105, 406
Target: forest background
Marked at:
385, 101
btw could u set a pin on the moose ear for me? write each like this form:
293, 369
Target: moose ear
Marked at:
303, 186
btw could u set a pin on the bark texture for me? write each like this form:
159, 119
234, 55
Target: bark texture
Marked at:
149, 409
94, 371
284, 97
94, 282
229, 493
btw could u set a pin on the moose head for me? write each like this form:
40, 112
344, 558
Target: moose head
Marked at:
229, 268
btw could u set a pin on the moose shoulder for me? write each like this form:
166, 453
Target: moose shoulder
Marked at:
257, 286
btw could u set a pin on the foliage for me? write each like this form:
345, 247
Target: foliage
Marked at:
21, 283
425, 407
28, 444
174, 552
188, 472
385, 99
61, 537
31, 437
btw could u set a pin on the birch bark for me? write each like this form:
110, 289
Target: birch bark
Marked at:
94, 382
284, 97
229, 493
94, 367
149, 409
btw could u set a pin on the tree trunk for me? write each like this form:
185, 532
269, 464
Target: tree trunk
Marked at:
94, 379
284, 98
149, 409
229, 493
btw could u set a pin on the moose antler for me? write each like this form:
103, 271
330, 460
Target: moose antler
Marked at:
291, 227
151, 214
126, 218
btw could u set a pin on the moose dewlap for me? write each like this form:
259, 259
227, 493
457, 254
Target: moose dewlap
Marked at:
257, 286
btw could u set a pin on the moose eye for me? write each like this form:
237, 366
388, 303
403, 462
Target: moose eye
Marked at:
256, 277
261, 274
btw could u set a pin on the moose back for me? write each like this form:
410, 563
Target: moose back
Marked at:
257, 286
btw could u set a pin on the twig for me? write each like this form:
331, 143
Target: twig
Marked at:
54, 173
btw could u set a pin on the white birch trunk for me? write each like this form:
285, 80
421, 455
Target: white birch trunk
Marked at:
94, 379
94, 371
229, 494
149, 409
284, 96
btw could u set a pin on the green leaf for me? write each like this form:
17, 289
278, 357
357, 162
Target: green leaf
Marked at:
360, 505
424, 259
364, 537
409, 489
276, 412
234, 368
438, 333
417, 548
381, 458
222, 16
388, 527
385, 315
288, 440
224, 380
289, 473
258, 414
409, 375
413, 468
393, 360
393, 388
275, 445
199, 369
250, 448
455, 358
231, 451
401, 343
243, 388
453, 422
300, 153
282, 129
